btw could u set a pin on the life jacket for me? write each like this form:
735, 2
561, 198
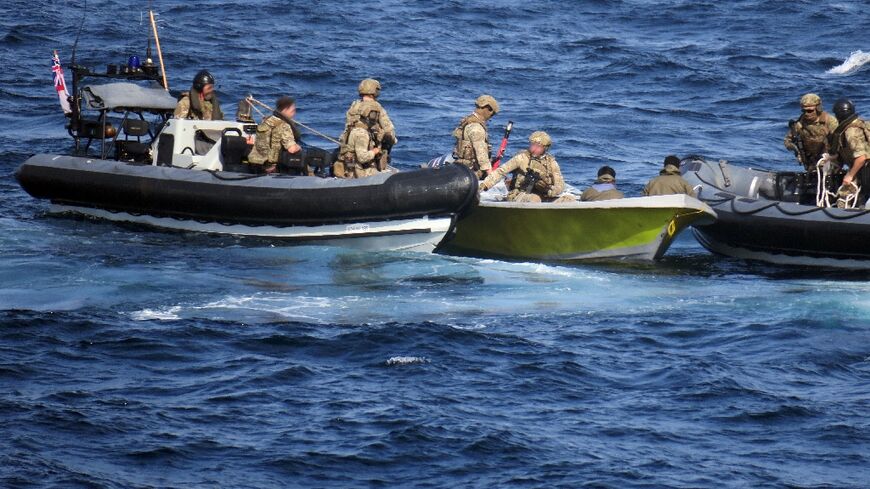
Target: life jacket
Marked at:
463, 152
197, 110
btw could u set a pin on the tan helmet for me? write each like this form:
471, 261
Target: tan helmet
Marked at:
810, 100
485, 100
368, 109
542, 138
370, 86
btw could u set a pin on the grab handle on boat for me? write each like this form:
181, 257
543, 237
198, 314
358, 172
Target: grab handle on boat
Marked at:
726, 174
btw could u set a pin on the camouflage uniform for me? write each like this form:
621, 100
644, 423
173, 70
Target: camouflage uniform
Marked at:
669, 182
814, 136
472, 144
851, 142
356, 158
274, 135
547, 189
604, 189
192, 106
384, 121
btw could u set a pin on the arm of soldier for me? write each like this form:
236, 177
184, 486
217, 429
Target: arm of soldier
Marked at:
858, 143
557, 186
645, 191
182, 108
361, 148
288, 142
477, 135
499, 174
788, 141
387, 125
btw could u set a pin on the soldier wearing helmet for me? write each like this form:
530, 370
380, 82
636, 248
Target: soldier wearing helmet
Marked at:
810, 132
669, 181
850, 144
200, 102
369, 90
359, 150
536, 174
472, 140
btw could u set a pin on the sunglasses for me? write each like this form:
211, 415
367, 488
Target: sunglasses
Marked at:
809, 110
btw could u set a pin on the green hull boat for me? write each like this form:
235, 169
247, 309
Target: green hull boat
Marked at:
639, 228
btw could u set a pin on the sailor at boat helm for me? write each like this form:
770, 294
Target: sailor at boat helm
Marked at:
669, 181
472, 140
360, 148
537, 177
850, 144
604, 188
808, 137
200, 102
275, 135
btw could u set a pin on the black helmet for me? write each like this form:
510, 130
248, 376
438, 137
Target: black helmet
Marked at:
843, 109
202, 79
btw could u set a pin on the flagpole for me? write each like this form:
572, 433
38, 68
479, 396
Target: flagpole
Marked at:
159, 52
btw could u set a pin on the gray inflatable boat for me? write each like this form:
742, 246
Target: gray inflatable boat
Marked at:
773, 217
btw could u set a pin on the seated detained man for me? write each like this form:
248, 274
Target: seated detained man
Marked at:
604, 187
669, 181
536, 174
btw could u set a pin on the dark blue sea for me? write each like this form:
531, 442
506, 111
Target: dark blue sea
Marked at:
141, 359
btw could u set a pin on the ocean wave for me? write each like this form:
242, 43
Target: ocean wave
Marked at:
855, 60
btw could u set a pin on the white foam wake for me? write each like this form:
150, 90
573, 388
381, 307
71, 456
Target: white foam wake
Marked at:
855, 60
406, 361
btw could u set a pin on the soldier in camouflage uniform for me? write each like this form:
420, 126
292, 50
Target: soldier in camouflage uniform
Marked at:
359, 149
369, 91
850, 145
472, 141
274, 135
200, 103
537, 177
669, 181
813, 129
604, 188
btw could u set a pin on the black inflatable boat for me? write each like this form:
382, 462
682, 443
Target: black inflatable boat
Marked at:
773, 217
390, 211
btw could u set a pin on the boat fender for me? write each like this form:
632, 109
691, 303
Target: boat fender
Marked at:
726, 174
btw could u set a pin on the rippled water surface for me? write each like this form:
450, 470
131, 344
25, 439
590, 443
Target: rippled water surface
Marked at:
132, 358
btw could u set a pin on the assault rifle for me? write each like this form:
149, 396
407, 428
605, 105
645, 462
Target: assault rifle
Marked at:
798, 143
532, 179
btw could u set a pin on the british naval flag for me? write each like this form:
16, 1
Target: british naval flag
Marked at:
60, 84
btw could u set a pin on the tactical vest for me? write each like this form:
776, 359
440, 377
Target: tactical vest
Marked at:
347, 154
198, 109
815, 142
463, 152
538, 164
265, 144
